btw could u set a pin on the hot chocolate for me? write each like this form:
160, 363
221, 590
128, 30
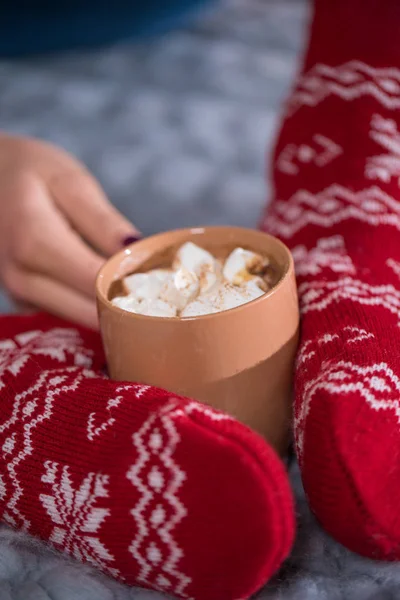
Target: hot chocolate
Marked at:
196, 283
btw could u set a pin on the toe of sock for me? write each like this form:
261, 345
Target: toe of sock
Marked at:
351, 472
240, 508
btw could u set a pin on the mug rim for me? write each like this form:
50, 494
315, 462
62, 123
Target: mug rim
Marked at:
289, 268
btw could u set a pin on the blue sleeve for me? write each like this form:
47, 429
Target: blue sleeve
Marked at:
49, 26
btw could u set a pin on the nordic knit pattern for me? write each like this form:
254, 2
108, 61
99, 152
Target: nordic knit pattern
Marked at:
155, 490
336, 174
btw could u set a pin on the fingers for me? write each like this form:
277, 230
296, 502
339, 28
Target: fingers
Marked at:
71, 262
47, 245
81, 199
66, 258
52, 296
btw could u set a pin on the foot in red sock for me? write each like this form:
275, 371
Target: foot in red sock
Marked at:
155, 490
338, 208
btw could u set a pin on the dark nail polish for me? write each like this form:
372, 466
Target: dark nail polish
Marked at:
130, 239
290, 457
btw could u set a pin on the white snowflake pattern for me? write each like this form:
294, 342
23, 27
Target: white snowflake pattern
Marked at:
331, 206
349, 81
357, 334
317, 295
76, 515
96, 426
376, 383
320, 151
329, 253
384, 167
394, 265
30, 410
158, 509
57, 343
158, 477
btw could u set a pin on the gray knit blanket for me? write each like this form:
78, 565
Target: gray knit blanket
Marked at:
177, 130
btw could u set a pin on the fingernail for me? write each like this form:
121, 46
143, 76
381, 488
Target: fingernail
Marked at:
130, 239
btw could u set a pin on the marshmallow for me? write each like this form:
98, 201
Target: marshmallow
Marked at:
126, 303
181, 289
193, 258
198, 284
187, 284
224, 297
199, 307
162, 274
156, 308
254, 287
149, 307
143, 286
208, 280
241, 265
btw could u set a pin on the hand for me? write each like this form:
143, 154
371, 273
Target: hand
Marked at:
56, 227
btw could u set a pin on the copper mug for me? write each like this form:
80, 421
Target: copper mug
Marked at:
239, 361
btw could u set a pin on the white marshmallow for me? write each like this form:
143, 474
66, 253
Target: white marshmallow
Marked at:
162, 274
224, 297
254, 287
144, 286
198, 308
126, 303
208, 279
198, 284
237, 267
181, 289
187, 283
193, 258
156, 308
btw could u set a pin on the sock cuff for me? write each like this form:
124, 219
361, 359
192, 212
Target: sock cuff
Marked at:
364, 30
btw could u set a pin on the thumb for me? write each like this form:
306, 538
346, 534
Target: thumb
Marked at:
79, 196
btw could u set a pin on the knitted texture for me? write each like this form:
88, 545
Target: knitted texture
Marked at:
336, 177
153, 489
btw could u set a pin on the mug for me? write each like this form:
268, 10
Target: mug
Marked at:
239, 361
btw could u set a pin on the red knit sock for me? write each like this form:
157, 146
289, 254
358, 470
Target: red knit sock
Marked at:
337, 206
155, 490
